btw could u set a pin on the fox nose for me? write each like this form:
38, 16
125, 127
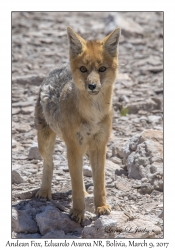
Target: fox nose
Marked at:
92, 86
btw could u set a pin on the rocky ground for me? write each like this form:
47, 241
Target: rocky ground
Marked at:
134, 167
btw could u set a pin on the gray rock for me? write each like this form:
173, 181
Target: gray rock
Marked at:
59, 234
17, 175
154, 118
146, 188
34, 152
116, 160
118, 147
106, 226
155, 69
139, 155
15, 111
125, 99
161, 215
53, 219
27, 110
87, 171
148, 105
90, 190
22, 222
23, 128
153, 135
31, 168
111, 168
143, 118
158, 184
14, 143
27, 194
123, 185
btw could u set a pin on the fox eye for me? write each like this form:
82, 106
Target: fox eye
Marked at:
83, 69
102, 69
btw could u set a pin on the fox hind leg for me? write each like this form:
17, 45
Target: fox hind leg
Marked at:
46, 143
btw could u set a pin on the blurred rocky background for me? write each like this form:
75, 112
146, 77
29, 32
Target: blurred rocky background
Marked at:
134, 167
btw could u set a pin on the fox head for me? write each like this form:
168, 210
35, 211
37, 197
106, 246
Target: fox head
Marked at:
93, 63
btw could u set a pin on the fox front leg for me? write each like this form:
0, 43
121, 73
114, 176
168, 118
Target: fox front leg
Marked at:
97, 159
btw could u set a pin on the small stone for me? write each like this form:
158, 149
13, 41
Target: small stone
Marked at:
132, 197
15, 111
143, 118
31, 167
14, 143
27, 110
161, 215
158, 184
146, 188
123, 185
159, 91
142, 112
87, 171
118, 147
27, 194
111, 168
155, 69
116, 160
144, 180
17, 176
32, 181
34, 152
124, 98
154, 118
35, 161
90, 190
23, 128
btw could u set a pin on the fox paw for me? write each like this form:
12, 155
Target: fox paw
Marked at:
46, 194
77, 215
106, 209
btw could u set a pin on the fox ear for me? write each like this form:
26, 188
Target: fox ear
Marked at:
75, 42
111, 42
